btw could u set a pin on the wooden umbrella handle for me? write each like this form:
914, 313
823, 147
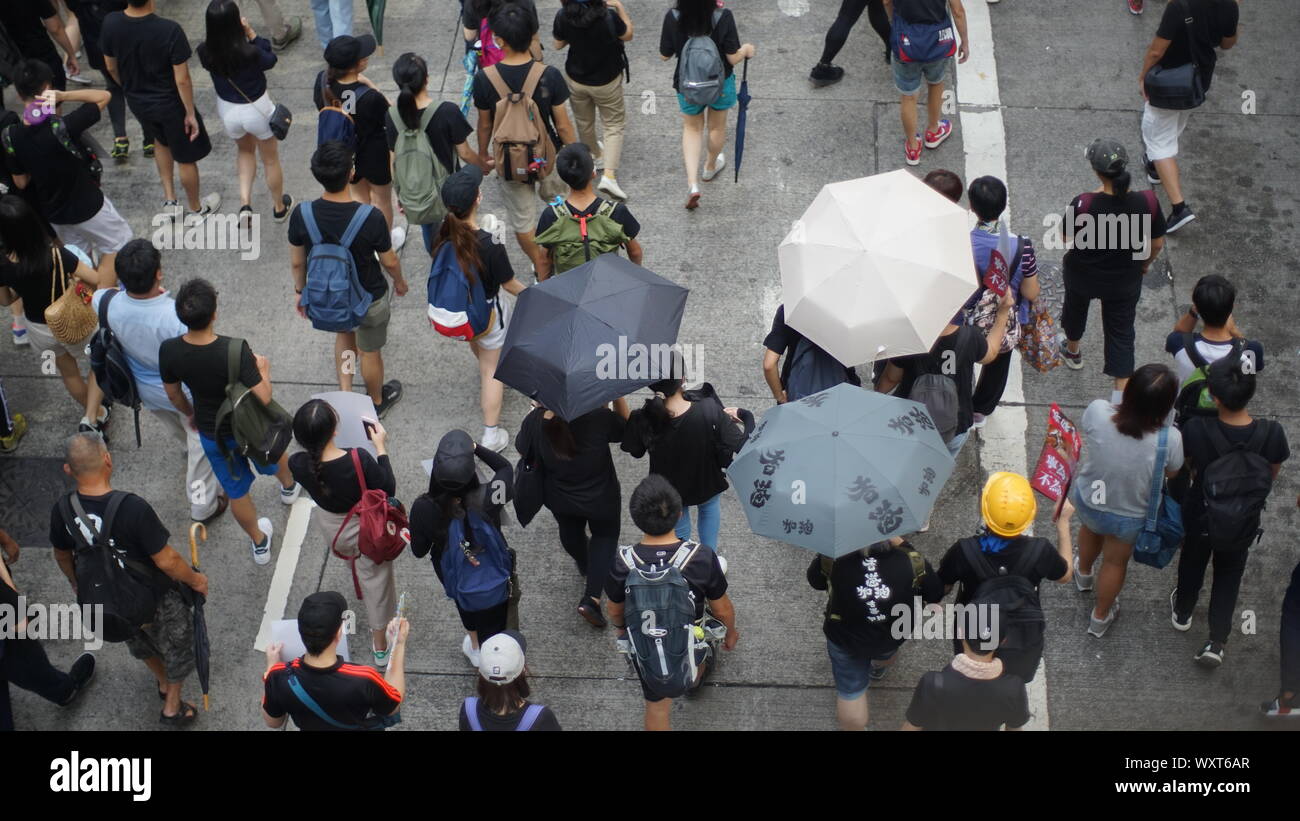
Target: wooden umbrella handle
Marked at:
202, 531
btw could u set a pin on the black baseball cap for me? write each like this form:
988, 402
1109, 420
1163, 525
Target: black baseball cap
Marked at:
453, 464
1107, 156
346, 51
321, 615
460, 190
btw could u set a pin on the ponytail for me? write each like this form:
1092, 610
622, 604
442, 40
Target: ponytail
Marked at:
332, 76
655, 408
560, 436
457, 230
411, 74
1121, 183
313, 426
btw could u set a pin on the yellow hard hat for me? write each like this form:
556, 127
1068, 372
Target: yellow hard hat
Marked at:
1007, 504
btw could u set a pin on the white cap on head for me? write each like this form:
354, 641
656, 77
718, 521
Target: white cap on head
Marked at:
501, 657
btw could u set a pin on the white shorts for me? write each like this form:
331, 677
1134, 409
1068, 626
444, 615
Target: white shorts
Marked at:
496, 336
1161, 128
43, 340
247, 118
104, 233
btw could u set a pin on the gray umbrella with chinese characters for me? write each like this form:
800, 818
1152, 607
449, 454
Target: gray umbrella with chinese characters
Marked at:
841, 469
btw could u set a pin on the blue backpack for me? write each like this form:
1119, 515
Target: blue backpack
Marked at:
335, 122
456, 308
334, 299
812, 370
922, 42
475, 564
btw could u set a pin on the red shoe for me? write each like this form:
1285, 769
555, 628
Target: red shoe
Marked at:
913, 154
933, 139
1135, 6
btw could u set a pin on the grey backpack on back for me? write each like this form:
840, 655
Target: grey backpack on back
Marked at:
660, 616
700, 71
939, 395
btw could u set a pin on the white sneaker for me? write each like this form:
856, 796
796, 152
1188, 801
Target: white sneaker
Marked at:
718, 164
381, 656
495, 438
470, 652
209, 204
722, 562
288, 497
1082, 581
1098, 627
80, 78
610, 186
399, 237
262, 552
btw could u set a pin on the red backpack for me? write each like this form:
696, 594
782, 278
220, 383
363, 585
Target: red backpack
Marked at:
385, 531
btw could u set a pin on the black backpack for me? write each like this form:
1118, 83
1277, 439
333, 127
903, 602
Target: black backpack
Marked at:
812, 370
1021, 622
718, 420
1235, 486
105, 576
112, 370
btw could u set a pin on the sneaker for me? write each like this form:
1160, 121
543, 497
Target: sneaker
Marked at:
1135, 6
290, 495
1153, 176
1211, 655
825, 74
262, 551
610, 186
381, 657
1181, 623
20, 335
288, 202
1277, 708
470, 652
722, 562
1073, 361
172, 208
121, 149
9, 444
495, 438
391, 395
1083, 581
81, 672
719, 163
934, 139
246, 219
913, 155
147, 150
292, 31
207, 205
1098, 627
1180, 216
693, 198
878, 673
978, 420
398, 235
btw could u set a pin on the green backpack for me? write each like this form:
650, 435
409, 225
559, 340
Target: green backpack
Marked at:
573, 240
261, 432
417, 174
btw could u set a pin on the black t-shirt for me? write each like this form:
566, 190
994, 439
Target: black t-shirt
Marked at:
1110, 232
703, 573
724, 35
366, 106
469, 21
429, 525
491, 722
23, 20
35, 290
922, 11
865, 589
90, 16
684, 453
204, 369
146, 48
137, 532
347, 693
446, 130
1212, 21
595, 52
782, 339
249, 78
62, 184
620, 214
586, 484
948, 700
1199, 450
332, 220
954, 569
551, 91
339, 479
954, 356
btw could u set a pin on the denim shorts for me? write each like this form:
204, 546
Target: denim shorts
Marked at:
1125, 528
852, 672
726, 101
907, 76
235, 482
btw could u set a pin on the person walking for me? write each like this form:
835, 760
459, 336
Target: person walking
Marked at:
685, 22
237, 60
1107, 262
13, 426
330, 476
90, 16
580, 488
1286, 705
1189, 32
283, 32
929, 26
826, 73
1112, 486
32, 24
333, 19
584, 225
595, 31
502, 702
1213, 300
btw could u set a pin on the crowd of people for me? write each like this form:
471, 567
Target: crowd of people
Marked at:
386, 166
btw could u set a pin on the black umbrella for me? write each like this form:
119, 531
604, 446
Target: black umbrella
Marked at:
741, 116
202, 648
592, 334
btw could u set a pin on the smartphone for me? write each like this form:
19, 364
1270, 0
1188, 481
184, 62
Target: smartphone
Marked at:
369, 428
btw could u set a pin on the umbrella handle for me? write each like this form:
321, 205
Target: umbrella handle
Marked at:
202, 531
744, 71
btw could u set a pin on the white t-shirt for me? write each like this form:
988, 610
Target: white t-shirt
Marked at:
1212, 351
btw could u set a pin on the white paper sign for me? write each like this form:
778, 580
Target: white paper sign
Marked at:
351, 408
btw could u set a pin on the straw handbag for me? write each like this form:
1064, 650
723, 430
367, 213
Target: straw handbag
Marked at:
70, 317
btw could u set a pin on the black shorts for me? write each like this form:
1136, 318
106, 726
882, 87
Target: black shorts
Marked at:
371, 162
170, 132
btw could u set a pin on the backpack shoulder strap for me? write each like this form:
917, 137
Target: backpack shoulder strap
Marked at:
426, 116
1258, 436
978, 562
628, 554
1029, 556
7, 137
918, 566
309, 222
535, 72
606, 208
234, 347
471, 714
717, 18
498, 83
1189, 346
103, 307
684, 554
354, 225
1218, 441
71, 518
361, 473
530, 717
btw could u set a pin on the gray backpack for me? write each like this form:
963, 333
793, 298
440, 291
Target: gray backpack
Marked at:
417, 174
660, 614
939, 395
700, 71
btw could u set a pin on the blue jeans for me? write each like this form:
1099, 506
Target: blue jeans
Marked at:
1104, 523
429, 232
852, 672
333, 19
708, 522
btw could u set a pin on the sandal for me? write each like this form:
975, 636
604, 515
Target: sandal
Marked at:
185, 717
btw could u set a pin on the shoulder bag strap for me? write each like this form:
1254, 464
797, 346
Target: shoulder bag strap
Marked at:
471, 714
1157, 480
531, 715
310, 703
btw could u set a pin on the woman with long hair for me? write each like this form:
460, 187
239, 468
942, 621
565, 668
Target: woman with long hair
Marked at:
703, 18
37, 269
448, 130
1113, 485
594, 31
454, 491
237, 60
483, 261
329, 475
580, 488
502, 701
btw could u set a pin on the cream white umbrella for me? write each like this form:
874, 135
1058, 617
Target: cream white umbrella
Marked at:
876, 267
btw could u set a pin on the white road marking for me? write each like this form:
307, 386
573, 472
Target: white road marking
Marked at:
1002, 439
277, 598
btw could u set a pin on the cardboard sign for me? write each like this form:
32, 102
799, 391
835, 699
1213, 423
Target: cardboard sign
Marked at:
1062, 446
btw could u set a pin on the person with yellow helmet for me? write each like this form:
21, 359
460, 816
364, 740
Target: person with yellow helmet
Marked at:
1003, 566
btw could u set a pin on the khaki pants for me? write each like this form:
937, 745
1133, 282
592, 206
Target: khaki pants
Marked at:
378, 585
200, 483
608, 101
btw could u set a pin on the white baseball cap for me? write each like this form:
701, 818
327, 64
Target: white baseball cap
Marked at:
501, 657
